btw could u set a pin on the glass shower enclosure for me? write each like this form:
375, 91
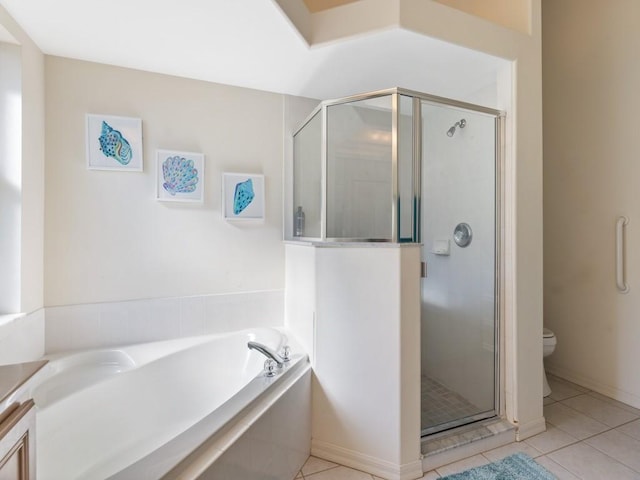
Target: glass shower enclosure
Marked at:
353, 172
406, 167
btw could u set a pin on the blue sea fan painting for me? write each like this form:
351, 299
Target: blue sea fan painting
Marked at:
114, 145
243, 196
180, 176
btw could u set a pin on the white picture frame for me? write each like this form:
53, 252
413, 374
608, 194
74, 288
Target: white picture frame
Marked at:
179, 176
114, 143
243, 197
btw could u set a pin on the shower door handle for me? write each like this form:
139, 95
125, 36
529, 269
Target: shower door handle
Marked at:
423, 269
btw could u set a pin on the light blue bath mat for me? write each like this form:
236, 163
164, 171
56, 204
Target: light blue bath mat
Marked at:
518, 466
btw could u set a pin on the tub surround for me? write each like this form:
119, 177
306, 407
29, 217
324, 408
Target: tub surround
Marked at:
224, 436
25, 338
76, 327
250, 434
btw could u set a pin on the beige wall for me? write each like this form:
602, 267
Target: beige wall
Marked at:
107, 238
591, 176
319, 5
32, 168
514, 14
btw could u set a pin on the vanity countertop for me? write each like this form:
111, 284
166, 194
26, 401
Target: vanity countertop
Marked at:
13, 376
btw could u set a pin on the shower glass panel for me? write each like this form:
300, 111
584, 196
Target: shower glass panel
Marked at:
355, 167
406, 170
359, 169
307, 176
459, 328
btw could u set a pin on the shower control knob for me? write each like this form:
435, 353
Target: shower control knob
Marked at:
285, 353
462, 235
270, 367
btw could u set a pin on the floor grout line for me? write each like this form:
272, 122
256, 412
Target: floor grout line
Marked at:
608, 429
560, 448
613, 458
584, 440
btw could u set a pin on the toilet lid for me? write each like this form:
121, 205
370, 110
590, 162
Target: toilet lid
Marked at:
546, 333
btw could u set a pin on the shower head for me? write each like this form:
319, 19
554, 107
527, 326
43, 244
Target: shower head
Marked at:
462, 123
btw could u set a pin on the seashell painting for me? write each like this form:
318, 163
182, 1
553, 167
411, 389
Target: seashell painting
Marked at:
180, 175
114, 145
243, 196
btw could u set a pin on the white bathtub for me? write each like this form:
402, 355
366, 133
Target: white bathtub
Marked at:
147, 410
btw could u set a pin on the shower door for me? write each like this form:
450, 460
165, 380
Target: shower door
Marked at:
459, 284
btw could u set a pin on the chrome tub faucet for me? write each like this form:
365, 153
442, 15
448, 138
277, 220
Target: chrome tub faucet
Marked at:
273, 358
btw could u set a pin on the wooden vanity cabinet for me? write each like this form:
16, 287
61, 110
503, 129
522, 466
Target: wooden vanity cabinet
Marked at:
17, 442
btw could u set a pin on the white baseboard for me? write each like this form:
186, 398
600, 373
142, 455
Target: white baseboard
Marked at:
529, 429
366, 463
595, 385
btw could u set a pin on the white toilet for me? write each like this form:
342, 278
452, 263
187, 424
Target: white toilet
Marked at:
549, 342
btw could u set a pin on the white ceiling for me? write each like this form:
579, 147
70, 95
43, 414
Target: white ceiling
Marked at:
248, 43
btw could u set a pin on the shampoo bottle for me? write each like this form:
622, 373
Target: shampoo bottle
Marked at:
298, 223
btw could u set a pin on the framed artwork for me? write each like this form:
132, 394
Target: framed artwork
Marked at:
180, 176
114, 143
242, 196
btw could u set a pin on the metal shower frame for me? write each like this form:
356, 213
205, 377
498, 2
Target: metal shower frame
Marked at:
417, 98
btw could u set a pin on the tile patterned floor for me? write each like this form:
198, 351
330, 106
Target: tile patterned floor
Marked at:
589, 437
441, 405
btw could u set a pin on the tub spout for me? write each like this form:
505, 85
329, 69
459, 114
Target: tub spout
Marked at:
267, 352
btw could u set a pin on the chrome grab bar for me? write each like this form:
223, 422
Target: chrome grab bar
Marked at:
620, 283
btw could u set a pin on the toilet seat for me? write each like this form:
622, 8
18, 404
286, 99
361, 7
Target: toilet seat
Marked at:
546, 333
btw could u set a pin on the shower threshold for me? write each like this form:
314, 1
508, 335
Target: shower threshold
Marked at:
449, 446
458, 422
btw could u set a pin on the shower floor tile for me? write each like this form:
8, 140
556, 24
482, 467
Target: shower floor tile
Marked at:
441, 405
